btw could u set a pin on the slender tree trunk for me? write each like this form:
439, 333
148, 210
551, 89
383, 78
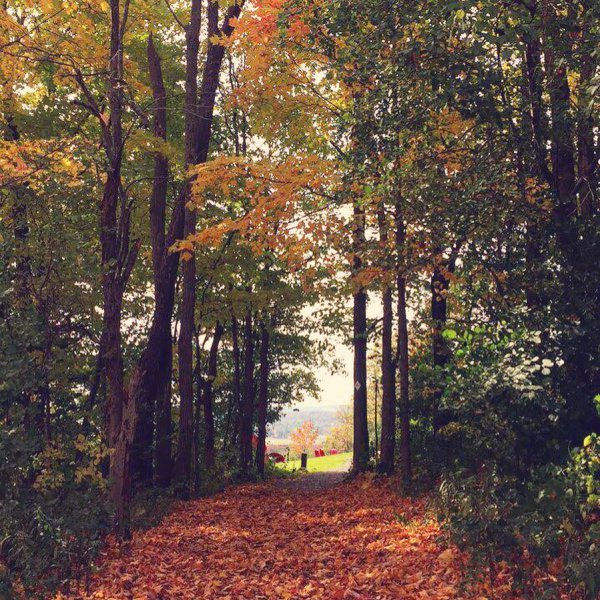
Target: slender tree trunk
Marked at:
199, 111
586, 152
403, 365
163, 442
182, 469
263, 399
538, 119
156, 362
186, 383
209, 420
375, 411
388, 379
247, 416
236, 399
439, 347
229, 432
535, 129
162, 289
118, 258
563, 152
197, 419
360, 460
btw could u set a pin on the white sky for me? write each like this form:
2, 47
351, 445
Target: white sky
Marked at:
337, 388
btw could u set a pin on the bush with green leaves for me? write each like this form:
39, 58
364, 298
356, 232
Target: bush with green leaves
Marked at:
552, 521
52, 512
505, 493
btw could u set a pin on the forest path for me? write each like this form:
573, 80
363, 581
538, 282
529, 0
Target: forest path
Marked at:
316, 481
356, 540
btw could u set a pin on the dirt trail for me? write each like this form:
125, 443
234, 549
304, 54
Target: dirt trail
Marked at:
324, 540
313, 482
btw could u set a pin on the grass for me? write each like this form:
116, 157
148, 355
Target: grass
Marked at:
330, 462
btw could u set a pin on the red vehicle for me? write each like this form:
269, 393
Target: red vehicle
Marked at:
276, 457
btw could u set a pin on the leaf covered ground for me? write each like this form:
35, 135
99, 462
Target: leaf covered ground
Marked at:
357, 540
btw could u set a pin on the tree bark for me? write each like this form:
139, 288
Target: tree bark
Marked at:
537, 117
263, 399
199, 113
360, 459
403, 364
236, 400
117, 262
209, 420
247, 416
183, 462
163, 444
388, 379
185, 350
563, 152
586, 152
439, 309
155, 402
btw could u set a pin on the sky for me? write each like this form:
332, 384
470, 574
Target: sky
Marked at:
336, 388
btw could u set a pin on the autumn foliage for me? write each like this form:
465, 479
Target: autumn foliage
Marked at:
304, 438
356, 541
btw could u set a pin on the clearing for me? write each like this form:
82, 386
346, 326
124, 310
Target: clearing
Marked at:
329, 462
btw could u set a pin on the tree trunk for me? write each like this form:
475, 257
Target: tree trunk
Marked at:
360, 459
586, 154
563, 153
439, 347
375, 416
117, 262
199, 111
246, 420
182, 468
209, 420
388, 379
163, 441
263, 399
156, 396
185, 351
537, 117
158, 203
403, 365
236, 400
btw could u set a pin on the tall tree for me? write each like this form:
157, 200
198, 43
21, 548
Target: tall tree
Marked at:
402, 347
207, 398
263, 398
198, 127
388, 378
247, 416
360, 461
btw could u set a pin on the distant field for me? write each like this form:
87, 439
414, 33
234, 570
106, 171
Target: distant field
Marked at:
333, 462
